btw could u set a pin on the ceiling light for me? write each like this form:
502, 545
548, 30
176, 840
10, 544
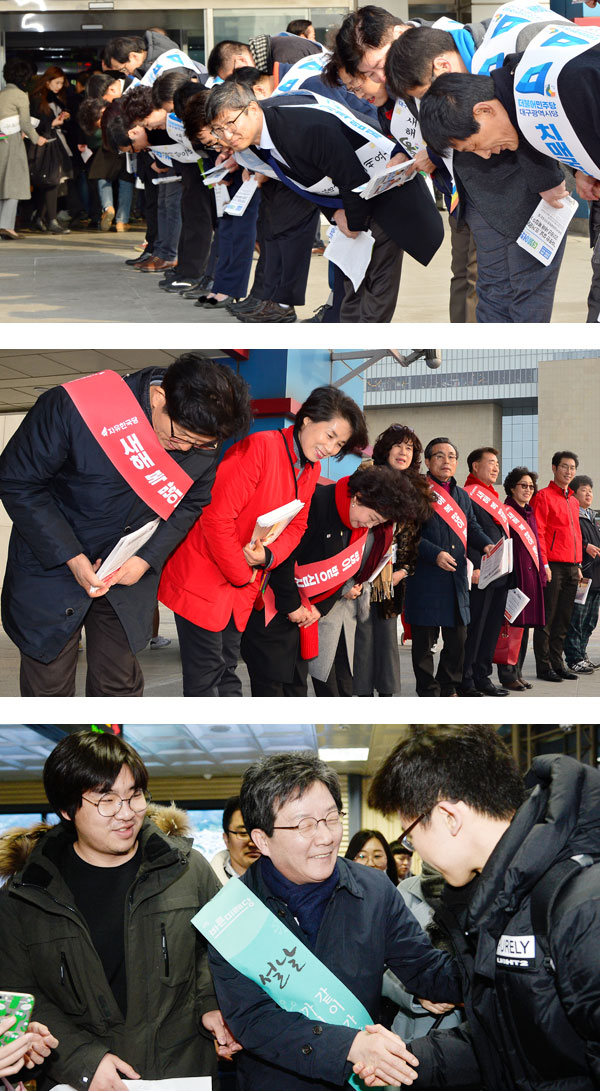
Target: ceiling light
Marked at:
356, 753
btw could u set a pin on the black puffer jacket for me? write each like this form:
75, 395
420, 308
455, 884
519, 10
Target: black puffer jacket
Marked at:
532, 1003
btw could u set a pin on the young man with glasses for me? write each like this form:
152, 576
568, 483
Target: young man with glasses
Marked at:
556, 510
240, 850
98, 912
71, 499
521, 905
351, 917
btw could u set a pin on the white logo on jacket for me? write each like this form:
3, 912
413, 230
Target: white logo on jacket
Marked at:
518, 951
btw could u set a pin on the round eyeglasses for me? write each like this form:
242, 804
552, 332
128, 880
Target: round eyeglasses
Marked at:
109, 805
308, 826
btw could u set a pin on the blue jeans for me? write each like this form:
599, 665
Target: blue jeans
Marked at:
169, 220
512, 286
105, 192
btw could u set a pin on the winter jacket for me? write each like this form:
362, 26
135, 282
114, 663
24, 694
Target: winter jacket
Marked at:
155, 44
366, 927
65, 497
557, 518
208, 578
47, 950
525, 575
590, 535
434, 596
532, 1001
14, 168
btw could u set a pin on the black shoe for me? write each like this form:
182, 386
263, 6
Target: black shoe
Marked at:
37, 224
565, 673
250, 303
201, 289
269, 311
490, 690
181, 284
56, 228
319, 314
582, 667
168, 278
141, 257
549, 676
470, 691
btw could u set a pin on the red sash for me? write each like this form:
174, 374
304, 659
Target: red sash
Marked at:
322, 578
451, 513
119, 424
509, 519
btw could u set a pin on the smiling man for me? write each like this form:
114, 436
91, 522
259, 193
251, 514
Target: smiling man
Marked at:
98, 909
521, 906
351, 917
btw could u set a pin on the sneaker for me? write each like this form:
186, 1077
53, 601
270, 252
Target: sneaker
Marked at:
180, 284
250, 303
319, 314
583, 667
168, 277
159, 642
589, 663
107, 217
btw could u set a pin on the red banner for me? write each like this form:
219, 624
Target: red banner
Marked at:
119, 424
453, 516
509, 518
324, 577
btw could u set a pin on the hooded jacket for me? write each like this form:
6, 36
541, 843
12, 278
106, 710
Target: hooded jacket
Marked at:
47, 950
532, 1002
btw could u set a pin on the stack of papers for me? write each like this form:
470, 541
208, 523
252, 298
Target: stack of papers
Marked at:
497, 563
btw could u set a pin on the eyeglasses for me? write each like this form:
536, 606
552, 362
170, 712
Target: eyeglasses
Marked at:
229, 127
439, 454
523, 485
110, 805
308, 826
242, 834
406, 839
566, 466
208, 446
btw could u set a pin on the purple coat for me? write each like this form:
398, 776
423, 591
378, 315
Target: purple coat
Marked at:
525, 574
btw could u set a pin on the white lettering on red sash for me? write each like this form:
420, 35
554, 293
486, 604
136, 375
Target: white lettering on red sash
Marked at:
452, 515
319, 576
509, 519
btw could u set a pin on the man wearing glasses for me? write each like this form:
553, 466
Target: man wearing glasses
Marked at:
351, 917
70, 503
240, 850
96, 919
556, 510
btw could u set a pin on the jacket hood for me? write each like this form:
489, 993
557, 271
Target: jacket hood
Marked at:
561, 818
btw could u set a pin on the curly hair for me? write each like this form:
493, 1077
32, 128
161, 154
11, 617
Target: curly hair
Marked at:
515, 476
397, 433
137, 105
387, 492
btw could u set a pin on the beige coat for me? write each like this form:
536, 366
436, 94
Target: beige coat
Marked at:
14, 168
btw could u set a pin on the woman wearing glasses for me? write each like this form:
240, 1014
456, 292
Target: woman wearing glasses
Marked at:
521, 486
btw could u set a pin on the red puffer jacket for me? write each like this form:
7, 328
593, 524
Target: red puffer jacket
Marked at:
557, 518
208, 577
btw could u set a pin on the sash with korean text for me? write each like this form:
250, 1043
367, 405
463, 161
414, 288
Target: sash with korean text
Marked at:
541, 115
501, 36
324, 577
451, 513
262, 948
119, 424
509, 519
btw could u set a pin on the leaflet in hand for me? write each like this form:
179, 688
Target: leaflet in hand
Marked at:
125, 548
240, 200
352, 256
582, 591
270, 525
516, 600
215, 174
497, 563
388, 179
545, 230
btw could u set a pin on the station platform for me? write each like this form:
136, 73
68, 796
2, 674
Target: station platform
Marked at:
82, 277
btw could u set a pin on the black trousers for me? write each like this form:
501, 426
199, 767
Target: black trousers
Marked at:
376, 298
267, 687
487, 615
450, 666
112, 668
197, 222
559, 599
209, 660
339, 680
288, 230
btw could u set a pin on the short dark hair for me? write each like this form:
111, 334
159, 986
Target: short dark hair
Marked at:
467, 762
193, 114
118, 49
359, 840
446, 112
398, 849
326, 402
166, 86
271, 781
368, 28
137, 104
221, 53
207, 398
410, 57
515, 476
438, 439
232, 805
88, 760
559, 455
393, 434
115, 134
18, 71
389, 493
99, 82
477, 454
298, 26
581, 479
90, 113
247, 75
330, 73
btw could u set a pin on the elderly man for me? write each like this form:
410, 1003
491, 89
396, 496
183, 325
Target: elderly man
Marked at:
350, 917
521, 905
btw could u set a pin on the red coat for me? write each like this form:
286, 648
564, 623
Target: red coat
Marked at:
208, 577
557, 518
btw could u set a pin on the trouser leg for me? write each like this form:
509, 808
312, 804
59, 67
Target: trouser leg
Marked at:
376, 298
483, 663
463, 265
8, 213
423, 639
566, 576
204, 659
54, 679
339, 680
112, 668
450, 666
593, 300
196, 223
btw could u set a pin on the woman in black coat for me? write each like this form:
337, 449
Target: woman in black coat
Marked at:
48, 104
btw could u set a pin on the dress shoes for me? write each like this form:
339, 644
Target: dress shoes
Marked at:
250, 303
140, 258
56, 228
516, 685
568, 675
154, 265
268, 311
469, 691
8, 233
525, 684
488, 689
549, 676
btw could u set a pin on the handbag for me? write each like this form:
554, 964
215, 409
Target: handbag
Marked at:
49, 163
508, 645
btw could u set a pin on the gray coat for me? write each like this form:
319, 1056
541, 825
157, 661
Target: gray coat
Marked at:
14, 168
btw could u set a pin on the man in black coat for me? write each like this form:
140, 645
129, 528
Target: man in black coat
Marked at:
262, 52
70, 505
521, 904
135, 55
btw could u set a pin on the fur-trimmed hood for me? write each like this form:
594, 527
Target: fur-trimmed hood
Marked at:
16, 845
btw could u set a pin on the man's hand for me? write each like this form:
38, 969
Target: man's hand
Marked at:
587, 188
592, 550
423, 162
225, 1044
226, 159
41, 1045
555, 196
85, 574
487, 549
548, 571
435, 1009
476, 575
397, 161
106, 1076
254, 553
340, 220
300, 615
445, 561
381, 1058
130, 572
159, 170
401, 574
354, 592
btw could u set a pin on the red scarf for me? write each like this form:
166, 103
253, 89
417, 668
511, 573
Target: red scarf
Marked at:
382, 534
472, 480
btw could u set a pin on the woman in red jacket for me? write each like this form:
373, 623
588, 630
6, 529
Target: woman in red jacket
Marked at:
211, 581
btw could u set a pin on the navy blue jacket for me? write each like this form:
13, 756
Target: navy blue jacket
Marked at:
432, 594
65, 497
366, 928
